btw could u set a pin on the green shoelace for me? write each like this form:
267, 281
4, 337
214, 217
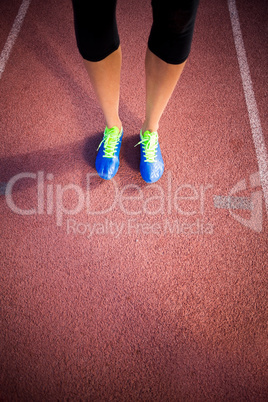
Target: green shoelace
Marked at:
110, 139
150, 142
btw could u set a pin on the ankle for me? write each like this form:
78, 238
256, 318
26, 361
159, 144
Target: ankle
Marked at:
114, 123
149, 127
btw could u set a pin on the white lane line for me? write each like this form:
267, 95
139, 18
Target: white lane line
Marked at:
13, 34
253, 113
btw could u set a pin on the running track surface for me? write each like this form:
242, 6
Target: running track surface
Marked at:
95, 306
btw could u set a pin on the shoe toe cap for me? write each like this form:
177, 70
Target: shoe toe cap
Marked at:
151, 172
107, 167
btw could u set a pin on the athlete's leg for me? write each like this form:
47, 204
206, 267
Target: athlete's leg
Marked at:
168, 49
105, 79
161, 79
98, 42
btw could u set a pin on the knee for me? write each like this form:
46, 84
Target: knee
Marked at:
174, 17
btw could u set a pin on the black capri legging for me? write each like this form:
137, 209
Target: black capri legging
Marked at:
170, 37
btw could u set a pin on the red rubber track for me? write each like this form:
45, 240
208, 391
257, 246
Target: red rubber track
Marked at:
176, 309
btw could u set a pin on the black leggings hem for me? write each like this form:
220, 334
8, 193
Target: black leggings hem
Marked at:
99, 57
170, 37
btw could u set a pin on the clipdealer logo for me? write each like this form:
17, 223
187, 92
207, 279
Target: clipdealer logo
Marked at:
186, 200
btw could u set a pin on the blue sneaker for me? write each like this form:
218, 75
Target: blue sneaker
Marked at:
107, 161
151, 164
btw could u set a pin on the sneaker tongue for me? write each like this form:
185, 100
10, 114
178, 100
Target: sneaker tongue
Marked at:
113, 130
148, 134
